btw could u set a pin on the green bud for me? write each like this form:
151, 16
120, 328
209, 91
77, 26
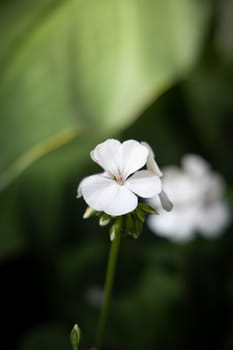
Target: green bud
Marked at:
137, 227
116, 228
129, 224
133, 225
140, 214
104, 219
75, 337
88, 213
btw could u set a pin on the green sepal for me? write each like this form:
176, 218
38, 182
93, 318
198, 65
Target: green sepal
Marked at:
147, 208
129, 224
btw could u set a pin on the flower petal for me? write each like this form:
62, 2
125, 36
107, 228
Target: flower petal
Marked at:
195, 165
183, 189
151, 163
165, 201
133, 157
213, 219
178, 225
106, 154
79, 194
120, 159
104, 194
121, 201
144, 183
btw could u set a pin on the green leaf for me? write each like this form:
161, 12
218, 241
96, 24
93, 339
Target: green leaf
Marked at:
73, 73
46, 338
12, 236
83, 69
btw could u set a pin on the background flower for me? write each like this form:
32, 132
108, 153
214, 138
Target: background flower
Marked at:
197, 195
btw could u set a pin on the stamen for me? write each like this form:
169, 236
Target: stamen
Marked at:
120, 178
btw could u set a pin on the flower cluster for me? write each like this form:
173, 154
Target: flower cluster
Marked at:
116, 190
196, 193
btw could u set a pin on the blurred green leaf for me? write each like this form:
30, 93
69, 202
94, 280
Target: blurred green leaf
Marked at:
47, 338
12, 237
151, 300
208, 93
72, 68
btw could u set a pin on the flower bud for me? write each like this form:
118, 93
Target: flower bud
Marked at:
104, 219
116, 228
88, 213
141, 215
75, 337
137, 228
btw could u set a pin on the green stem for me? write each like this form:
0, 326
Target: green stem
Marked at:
108, 289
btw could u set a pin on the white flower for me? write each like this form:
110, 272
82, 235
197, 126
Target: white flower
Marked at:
196, 193
115, 190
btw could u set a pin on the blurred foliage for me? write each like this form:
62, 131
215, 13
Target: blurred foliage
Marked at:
75, 73
75, 67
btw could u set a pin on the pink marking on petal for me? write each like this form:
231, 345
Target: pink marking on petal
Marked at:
120, 178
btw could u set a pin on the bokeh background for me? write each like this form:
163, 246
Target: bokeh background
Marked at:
74, 73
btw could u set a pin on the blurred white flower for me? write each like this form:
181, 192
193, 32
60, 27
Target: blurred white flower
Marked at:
115, 190
94, 295
196, 193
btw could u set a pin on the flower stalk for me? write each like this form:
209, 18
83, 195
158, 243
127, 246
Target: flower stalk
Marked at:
111, 268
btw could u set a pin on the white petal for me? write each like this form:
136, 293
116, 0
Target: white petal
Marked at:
106, 154
195, 165
213, 219
155, 203
144, 183
213, 186
165, 201
133, 157
120, 159
79, 194
178, 225
120, 201
104, 194
183, 189
151, 163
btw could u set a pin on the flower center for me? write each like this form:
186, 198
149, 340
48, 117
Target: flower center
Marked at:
119, 178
